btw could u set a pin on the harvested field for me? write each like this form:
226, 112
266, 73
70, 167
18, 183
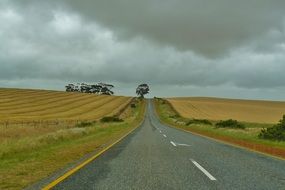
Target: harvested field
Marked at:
254, 111
42, 131
22, 106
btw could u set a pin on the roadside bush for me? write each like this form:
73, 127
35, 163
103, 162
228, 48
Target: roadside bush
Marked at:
277, 132
230, 124
84, 124
175, 116
111, 119
133, 105
199, 121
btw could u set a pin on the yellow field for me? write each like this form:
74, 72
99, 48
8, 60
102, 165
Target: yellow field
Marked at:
42, 105
221, 109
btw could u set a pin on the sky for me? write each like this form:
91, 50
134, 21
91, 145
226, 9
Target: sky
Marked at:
219, 48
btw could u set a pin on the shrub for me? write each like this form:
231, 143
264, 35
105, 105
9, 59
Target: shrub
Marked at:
175, 116
277, 132
133, 105
84, 124
109, 119
230, 124
199, 121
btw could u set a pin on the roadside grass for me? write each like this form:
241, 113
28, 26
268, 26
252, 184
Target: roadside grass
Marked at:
29, 154
247, 137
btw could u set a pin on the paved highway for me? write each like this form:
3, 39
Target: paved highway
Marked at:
158, 157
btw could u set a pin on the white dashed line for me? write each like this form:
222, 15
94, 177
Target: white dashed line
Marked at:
182, 144
203, 170
164, 135
173, 143
160, 131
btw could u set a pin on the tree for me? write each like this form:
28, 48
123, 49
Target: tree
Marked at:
100, 88
142, 90
106, 89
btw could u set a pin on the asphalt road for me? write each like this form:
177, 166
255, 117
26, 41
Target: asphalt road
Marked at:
158, 157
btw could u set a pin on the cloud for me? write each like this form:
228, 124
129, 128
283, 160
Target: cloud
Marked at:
222, 48
210, 27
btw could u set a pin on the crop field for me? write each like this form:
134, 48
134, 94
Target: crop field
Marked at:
221, 109
18, 106
50, 129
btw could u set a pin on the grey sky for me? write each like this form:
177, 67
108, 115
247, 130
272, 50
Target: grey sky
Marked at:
221, 48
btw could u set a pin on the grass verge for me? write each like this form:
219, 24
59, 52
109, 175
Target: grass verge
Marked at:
26, 160
247, 137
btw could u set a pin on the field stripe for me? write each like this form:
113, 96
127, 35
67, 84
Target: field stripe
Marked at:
49, 102
35, 101
58, 106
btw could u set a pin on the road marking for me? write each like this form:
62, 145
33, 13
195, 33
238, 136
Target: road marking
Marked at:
182, 144
160, 131
164, 135
203, 170
72, 171
173, 143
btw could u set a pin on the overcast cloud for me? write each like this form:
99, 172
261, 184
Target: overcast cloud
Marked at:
181, 48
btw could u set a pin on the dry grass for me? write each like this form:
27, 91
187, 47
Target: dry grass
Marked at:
220, 109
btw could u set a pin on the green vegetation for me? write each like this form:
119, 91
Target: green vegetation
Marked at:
230, 123
277, 132
109, 119
199, 121
30, 153
84, 124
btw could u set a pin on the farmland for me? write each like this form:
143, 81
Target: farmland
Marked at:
21, 106
220, 109
43, 131
186, 117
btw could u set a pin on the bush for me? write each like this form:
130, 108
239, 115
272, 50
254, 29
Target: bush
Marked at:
175, 116
111, 119
199, 121
230, 124
84, 124
133, 105
277, 132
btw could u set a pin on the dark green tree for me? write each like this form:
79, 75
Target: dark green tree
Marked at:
142, 90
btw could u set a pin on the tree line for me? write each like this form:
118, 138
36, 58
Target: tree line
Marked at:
103, 88
100, 88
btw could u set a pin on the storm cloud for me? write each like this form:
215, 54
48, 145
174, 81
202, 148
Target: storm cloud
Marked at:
205, 48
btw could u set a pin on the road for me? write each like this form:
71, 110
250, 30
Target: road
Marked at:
158, 157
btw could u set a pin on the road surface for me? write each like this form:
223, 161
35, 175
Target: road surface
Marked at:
158, 157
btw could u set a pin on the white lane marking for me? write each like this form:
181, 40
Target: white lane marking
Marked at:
203, 170
182, 144
173, 143
160, 131
164, 135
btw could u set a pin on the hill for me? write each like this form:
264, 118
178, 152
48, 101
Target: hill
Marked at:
17, 105
220, 109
